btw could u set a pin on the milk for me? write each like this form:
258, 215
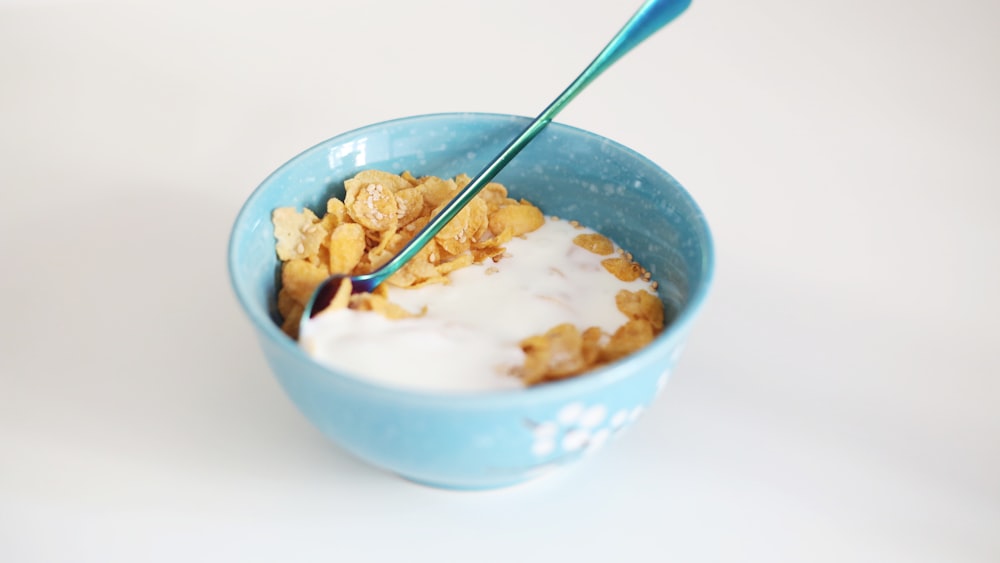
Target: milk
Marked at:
468, 339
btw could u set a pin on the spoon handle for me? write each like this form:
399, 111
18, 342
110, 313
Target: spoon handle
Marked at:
653, 15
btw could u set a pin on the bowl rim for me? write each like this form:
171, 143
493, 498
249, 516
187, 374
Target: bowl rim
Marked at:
674, 334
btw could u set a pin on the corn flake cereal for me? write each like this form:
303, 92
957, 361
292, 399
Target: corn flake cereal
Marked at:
381, 212
389, 181
299, 235
557, 354
437, 191
623, 268
346, 247
379, 304
629, 337
520, 219
409, 205
373, 206
595, 242
299, 279
641, 305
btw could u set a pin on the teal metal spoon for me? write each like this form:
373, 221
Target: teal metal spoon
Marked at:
653, 15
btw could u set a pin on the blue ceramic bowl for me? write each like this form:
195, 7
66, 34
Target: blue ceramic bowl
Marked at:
493, 439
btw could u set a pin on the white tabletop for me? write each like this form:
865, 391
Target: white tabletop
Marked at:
837, 401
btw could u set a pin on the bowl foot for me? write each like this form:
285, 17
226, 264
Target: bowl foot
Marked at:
493, 485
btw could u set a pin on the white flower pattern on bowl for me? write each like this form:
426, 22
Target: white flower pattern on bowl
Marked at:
578, 429
582, 429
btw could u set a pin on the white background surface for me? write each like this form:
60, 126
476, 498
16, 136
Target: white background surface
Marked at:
837, 401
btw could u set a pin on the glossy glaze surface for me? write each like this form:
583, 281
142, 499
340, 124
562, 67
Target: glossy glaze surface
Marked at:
481, 440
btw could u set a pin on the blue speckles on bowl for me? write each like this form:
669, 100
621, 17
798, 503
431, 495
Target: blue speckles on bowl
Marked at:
483, 440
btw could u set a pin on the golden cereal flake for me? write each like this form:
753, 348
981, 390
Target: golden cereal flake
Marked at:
285, 302
481, 254
378, 304
591, 346
298, 234
375, 259
342, 298
336, 214
629, 338
418, 270
300, 278
497, 240
387, 249
622, 268
373, 206
455, 237
437, 191
409, 178
567, 350
290, 325
409, 205
462, 180
479, 219
555, 355
521, 219
641, 305
386, 238
346, 247
494, 195
322, 257
537, 353
456, 264
388, 180
594, 242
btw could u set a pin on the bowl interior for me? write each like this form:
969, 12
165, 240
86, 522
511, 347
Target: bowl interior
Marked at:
566, 171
